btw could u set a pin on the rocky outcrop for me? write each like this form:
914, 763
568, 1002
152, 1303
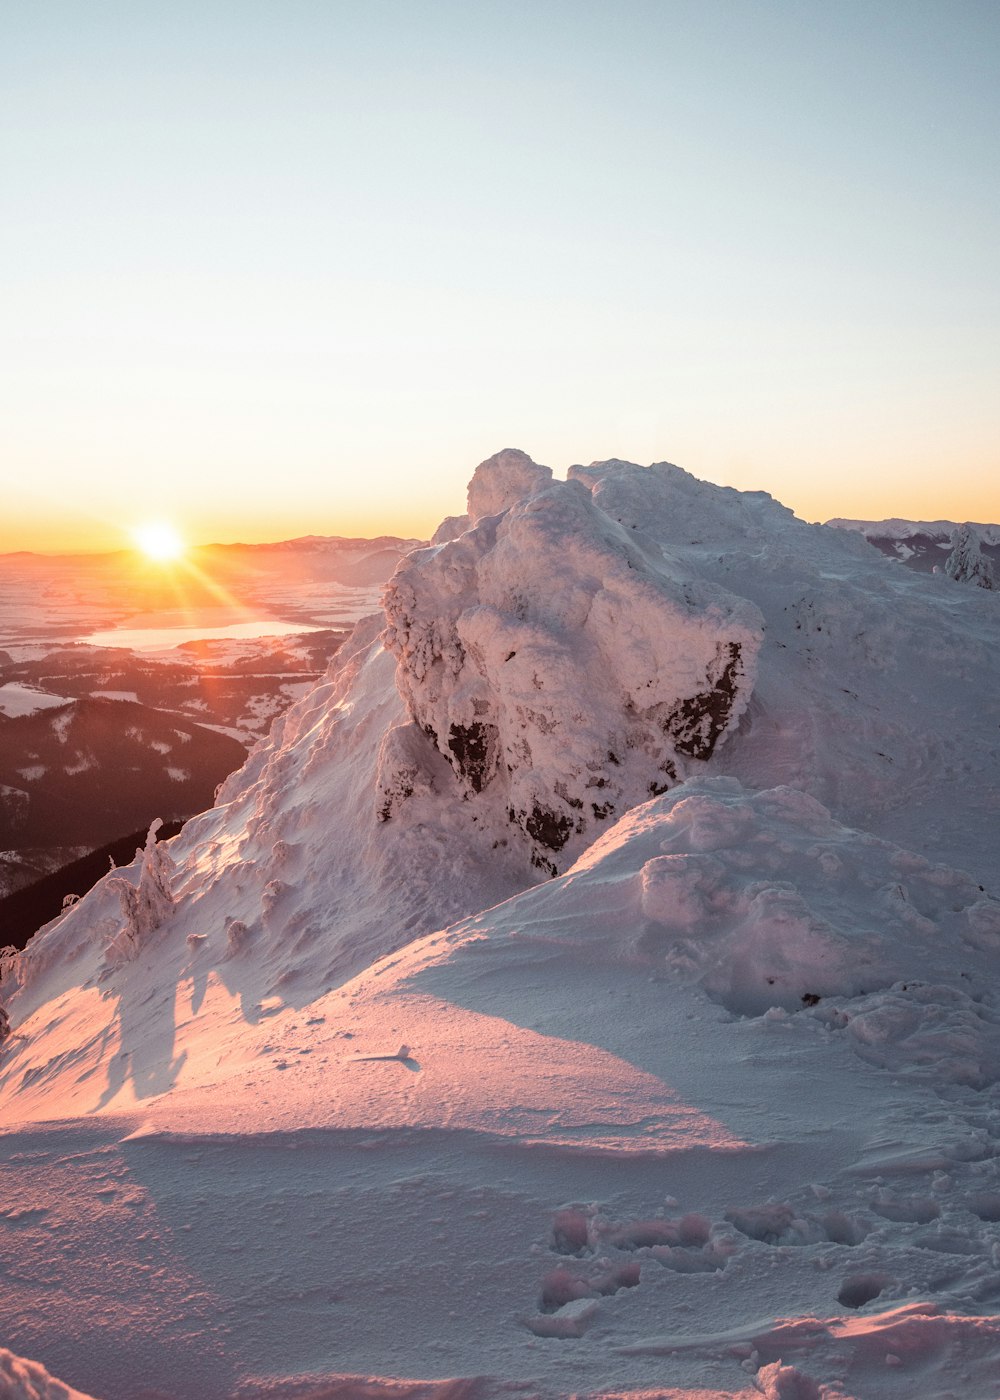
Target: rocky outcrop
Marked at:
563, 670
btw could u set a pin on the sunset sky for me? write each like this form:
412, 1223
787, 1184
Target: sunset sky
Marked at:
277, 267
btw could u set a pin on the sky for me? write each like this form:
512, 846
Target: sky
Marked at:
283, 267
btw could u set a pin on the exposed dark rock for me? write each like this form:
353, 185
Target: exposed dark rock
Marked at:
695, 726
474, 748
550, 829
540, 863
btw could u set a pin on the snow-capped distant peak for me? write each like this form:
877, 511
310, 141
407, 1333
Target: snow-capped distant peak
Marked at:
897, 528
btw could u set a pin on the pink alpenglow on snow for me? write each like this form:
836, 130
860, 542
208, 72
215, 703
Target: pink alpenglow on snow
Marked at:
588, 989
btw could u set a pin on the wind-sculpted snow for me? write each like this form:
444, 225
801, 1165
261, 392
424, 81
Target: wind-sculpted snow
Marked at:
772, 906
564, 671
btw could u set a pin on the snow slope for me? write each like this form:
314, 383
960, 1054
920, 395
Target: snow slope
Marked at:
348, 1097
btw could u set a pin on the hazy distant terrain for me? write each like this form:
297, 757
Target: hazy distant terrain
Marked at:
923, 545
96, 741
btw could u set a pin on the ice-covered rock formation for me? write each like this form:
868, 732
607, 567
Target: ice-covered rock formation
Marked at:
563, 668
967, 563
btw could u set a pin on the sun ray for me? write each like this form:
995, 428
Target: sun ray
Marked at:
217, 590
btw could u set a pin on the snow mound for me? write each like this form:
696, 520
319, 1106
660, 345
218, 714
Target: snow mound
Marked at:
502, 480
772, 907
28, 1380
563, 671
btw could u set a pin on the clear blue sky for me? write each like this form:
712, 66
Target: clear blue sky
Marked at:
281, 266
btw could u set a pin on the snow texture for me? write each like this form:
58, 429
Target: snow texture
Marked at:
588, 989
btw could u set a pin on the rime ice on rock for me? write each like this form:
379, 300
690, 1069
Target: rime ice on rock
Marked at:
564, 669
502, 480
967, 563
146, 905
450, 528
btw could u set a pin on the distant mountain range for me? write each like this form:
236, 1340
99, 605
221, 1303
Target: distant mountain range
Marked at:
60, 596
920, 544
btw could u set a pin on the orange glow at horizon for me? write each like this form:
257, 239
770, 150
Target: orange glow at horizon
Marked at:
892, 491
60, 532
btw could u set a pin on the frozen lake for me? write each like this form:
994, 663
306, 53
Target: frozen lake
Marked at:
161, 638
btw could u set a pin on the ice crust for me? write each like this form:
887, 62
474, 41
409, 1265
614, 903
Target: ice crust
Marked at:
449, 1056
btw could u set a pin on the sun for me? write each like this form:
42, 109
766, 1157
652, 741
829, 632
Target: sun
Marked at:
158, 540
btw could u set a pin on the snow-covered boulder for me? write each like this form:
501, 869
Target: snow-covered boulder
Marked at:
564, 671
450, 528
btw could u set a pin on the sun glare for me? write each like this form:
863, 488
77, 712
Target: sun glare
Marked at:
159, 541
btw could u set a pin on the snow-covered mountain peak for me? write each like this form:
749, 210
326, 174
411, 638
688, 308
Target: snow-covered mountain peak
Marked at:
506, 477
564, 669
670, 504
